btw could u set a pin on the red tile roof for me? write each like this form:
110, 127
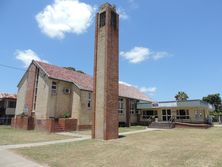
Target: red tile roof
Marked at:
85, 81
7, 96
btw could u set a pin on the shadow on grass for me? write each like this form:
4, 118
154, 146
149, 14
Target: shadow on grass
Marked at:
121, 136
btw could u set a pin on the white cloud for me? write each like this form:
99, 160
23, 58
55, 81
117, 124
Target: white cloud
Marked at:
149, 90
146, 90
136, 55
139, 54
122, 14
160, 55
125, 83
27, 56
65, 16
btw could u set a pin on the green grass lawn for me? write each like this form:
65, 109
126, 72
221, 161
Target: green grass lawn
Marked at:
10, 135
176, 147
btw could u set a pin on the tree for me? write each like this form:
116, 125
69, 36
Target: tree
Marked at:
73, 69
80, 71
215, 100
181, 96
70, 68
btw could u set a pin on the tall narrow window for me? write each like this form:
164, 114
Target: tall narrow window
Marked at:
102, 20
54, 88
121, 106
36, 88
132, 107
89, 100
113, 19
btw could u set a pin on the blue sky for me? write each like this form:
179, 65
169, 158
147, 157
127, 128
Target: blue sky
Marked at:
166, 46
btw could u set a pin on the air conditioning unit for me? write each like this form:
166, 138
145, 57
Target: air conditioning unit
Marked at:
66, 91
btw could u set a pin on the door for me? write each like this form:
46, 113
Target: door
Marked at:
166, 115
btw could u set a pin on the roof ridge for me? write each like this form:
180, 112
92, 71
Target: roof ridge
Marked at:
62, 68
84, 81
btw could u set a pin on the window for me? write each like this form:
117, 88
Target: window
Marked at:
183, 114
89, 100
166, 114
113, 19
121, 106
2, 104
66, 91
132, 107
54, 88
36, 88
11, 104
102, 20
149, 113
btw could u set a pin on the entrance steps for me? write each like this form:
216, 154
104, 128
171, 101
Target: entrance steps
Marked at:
162, 125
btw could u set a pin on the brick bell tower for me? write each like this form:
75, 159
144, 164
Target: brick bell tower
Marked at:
106, 74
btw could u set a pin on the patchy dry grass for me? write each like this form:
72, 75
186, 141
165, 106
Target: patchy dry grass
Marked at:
121, 129
10, 135
131, 128
177, 147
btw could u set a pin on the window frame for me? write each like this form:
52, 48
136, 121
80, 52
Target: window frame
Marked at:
11, 104
185, 114
54, 88
146, 114
102, 19
89, 99
121, 106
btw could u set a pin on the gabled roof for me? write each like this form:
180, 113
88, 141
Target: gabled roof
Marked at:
85, 81
7, 96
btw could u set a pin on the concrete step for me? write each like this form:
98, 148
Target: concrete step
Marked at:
162, 125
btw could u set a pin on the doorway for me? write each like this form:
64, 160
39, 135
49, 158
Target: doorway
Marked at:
166, 114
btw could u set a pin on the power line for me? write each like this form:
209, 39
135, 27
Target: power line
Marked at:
12, 67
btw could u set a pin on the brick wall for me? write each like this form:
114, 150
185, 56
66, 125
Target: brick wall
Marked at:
52, 125
23, 122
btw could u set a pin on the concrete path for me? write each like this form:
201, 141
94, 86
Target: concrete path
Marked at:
76, 134
10, 159
43, 143
217, 125
141, 131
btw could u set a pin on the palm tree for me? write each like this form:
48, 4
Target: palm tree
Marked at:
181, 96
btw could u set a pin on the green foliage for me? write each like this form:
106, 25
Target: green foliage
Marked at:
67, 115
73, 69
181, 96
70, 68
215, 100
80, 71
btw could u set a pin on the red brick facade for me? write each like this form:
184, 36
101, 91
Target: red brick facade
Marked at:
192, 125
56, 125
84, 127
111, 75
23, 122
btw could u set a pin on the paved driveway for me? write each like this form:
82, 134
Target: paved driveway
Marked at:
10, 159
